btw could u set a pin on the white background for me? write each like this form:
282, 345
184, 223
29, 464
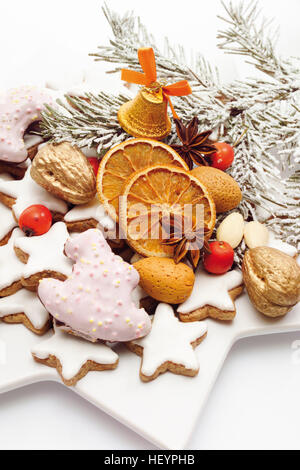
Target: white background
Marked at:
255, 403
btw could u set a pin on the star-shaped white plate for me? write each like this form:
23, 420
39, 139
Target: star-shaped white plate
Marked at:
164, 411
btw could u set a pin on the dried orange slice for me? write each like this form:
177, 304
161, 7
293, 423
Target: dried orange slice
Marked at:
161, 190
124, 159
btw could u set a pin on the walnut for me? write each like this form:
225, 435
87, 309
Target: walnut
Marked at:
64, 171
272, 280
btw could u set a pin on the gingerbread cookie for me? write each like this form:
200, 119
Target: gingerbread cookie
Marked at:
25, 307
90, 215
212, 296
96, 302
74, 357
19, 108
7, 224
11, 268
18, 195
44, 256
16, 171
169, 346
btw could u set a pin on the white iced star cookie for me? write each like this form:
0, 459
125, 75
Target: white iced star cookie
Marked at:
11, 268
18, 195
74, 357
7, 224
169, 345
90, 215
93, 215
44, 256
212, 296
25, 307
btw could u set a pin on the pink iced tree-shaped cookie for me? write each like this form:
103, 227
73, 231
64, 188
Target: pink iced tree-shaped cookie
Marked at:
95, 302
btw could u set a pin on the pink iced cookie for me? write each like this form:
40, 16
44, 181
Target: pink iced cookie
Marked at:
19, 108
95, 302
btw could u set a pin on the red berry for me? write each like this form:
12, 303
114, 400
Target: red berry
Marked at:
95, 164
35, 220
220, 260
223, 158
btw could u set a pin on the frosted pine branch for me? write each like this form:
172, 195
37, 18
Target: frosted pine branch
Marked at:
249, 35
263, 114
130, 34
91, 121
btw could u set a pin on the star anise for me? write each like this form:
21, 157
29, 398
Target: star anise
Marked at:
187, 237
195, 148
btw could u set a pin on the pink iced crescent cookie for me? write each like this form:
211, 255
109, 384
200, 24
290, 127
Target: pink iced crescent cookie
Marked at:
19, 108
96, 301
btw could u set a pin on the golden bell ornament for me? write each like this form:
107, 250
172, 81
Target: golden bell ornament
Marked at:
146, 115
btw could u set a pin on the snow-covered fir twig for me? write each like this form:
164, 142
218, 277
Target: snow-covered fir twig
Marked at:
251, 35
265, 111
172, 63
85, 122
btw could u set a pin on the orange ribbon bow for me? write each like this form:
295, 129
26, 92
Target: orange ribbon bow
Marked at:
147, 60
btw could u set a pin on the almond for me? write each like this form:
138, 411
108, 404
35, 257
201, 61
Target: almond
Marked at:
223, 188
64, 171
231, 230
256, 234
164, 280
